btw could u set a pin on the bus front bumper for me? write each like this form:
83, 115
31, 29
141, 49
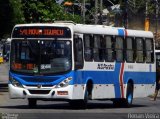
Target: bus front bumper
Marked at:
40, 93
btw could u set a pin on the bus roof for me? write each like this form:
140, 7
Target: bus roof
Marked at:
96, 29
102, 29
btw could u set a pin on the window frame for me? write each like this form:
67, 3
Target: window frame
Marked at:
143, 49
152, 49
99, 48
133, 49
112, 49
76, 59
122, 49
88, 48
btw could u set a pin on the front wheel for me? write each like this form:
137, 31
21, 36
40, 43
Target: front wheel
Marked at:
82, 104
32, 103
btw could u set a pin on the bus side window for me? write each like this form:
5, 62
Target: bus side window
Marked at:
109, 53
129, 50
97, 51
149, 50
88, 48
139, 50
119, 49
78, 53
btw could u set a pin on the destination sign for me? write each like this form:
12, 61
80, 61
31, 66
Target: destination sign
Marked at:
41, 32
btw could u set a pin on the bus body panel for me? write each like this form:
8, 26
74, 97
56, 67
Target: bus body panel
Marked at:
110, 79
16, 92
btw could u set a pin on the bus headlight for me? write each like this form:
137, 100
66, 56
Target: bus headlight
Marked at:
64, 83
15, 82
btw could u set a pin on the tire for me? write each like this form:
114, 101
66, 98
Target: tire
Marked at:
129, 95
125, 102
32, 103
117, 102
80, 104
85, 101
77, 104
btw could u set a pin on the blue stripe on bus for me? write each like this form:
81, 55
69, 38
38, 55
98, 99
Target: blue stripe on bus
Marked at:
121, 32
42, 80
107, 77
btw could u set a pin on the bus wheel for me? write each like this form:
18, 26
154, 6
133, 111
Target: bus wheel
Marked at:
117, 102
32, 103
129, 95
85, 101
81, 104
77, 104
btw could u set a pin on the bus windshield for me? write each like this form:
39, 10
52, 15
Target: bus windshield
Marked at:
41, 56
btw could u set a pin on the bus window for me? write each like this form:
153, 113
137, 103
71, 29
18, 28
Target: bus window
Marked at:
129, 50
88, 48
97, 51
108, 49
41, 56
78, 53
149, 50
25, 53
139, 50
119, 49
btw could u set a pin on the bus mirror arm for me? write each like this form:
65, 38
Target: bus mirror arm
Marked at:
77, 66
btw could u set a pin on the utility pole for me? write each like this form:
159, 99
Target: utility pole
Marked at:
84, 10
101, 11
126, 15
146, 18
156, 28
96, 11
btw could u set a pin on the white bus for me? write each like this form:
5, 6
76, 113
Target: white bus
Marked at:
77, 63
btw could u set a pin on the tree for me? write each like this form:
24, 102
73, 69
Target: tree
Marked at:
17, 13
10, 14
5, 17
45, 11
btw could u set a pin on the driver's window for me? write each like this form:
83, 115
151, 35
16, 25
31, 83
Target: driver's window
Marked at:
78, 52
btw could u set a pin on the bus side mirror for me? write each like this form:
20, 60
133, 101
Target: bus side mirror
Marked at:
78, 66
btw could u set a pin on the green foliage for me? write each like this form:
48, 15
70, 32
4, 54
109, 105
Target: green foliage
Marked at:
32, 11
137, 5
46, 11
10, 14
17, 13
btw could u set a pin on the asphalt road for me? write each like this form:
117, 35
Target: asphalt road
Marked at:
62, 110
143, 108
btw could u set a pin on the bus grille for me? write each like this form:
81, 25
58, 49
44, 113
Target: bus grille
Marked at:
31, 85
39, 91
38, 80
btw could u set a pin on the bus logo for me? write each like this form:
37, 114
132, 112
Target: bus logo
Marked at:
39, 86
105, 66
